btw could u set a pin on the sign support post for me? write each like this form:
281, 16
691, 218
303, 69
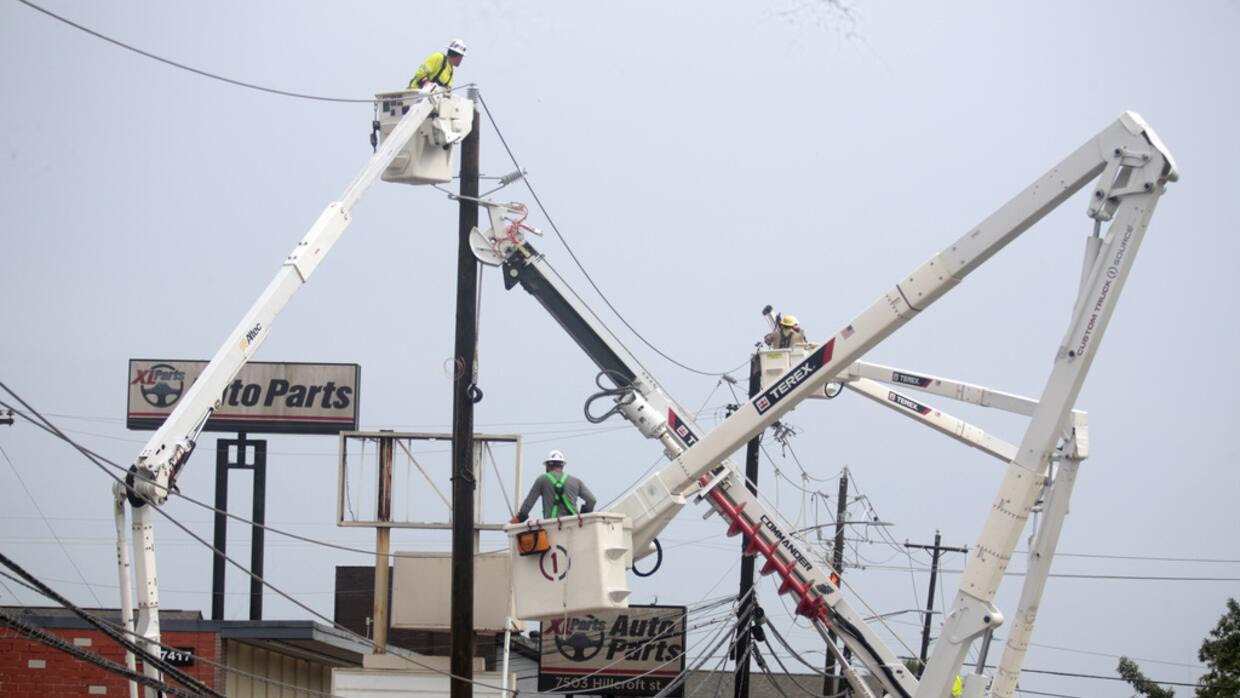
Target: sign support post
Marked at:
223, 463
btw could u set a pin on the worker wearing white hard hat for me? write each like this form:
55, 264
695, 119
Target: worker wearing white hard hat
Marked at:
559, 492
787, 334
439, 68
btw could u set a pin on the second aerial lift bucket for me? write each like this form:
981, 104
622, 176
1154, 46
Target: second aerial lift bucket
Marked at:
570, 565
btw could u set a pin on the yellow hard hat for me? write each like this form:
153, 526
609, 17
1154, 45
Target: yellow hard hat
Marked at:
789, 321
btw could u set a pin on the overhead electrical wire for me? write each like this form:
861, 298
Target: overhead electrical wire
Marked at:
286, 596
1066, 575
47, 523
138, 651
680, 678
805, 662
39, 635
10, 590
576, 260
204, 505
275, 589
722, 628
573, 433
197, 657
766, 671
182, 66
550, 221
775, 655
1023, 691
102, 460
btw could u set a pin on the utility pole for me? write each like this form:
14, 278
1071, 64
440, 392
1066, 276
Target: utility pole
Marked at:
934, 573
831, 679
745, 612
463, 391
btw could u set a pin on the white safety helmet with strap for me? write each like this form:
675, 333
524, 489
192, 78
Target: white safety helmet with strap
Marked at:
457, 46
555, 458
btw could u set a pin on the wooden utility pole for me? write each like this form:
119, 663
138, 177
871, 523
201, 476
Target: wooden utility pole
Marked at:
934, 573
831, 679
463, 390
745, 612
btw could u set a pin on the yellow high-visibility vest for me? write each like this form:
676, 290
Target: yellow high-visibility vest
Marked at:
958, 687
435, 69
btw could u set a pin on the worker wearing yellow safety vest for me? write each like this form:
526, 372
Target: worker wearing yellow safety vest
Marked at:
786, 335
958, 688
559, 491
439, 67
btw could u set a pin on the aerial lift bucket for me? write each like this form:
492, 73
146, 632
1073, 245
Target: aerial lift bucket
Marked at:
427, 158
570, 565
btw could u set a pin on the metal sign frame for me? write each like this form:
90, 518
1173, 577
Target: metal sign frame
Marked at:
398, 436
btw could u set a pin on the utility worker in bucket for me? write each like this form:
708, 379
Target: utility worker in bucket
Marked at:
559, 492
787, 334
439, 67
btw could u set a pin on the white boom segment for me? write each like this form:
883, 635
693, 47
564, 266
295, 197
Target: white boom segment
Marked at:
1134, 167
943, 387
171, 443
449, 118
1137, 168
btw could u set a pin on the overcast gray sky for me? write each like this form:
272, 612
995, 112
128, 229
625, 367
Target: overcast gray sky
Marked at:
703, 159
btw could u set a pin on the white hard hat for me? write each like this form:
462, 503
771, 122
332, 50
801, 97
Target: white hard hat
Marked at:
457, 46
554, 457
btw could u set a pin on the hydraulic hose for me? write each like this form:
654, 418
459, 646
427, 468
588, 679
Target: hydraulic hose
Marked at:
658, 561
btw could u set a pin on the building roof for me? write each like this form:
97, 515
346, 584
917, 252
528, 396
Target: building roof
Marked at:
305, 639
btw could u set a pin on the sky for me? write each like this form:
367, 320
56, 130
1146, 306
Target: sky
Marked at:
702, 160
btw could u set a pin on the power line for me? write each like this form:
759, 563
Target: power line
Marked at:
1075, 675
182, 66
96, 461
573, 433
693, 608
1151, 558
100, 460
48, 426
138, 650
511, 156
54, 642
47, 523
1065, 575
197, 657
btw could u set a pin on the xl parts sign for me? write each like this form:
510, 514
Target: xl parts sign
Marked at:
288, 398
634, 652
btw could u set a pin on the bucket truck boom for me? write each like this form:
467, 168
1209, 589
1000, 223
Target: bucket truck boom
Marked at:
418, 129
1131, 166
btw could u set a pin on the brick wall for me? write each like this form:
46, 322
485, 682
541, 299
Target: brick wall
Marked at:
30, 669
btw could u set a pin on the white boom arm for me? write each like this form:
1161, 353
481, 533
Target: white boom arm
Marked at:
167, 449
1132, 167
1136, 169
154, 472
656, 415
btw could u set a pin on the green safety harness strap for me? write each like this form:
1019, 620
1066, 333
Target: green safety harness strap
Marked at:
559, 495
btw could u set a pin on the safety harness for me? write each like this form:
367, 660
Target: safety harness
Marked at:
442, 66
559, 495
